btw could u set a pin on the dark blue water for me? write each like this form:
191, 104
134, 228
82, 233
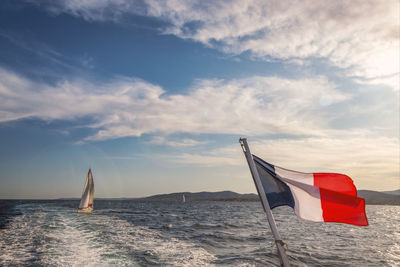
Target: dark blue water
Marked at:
129, 233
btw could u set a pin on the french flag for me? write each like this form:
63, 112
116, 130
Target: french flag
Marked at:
319, 197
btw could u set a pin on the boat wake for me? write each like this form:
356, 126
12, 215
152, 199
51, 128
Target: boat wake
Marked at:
132, 233
58, 236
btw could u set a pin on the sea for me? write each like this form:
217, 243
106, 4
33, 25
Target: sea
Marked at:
205, 233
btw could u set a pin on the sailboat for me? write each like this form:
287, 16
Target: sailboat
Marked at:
86, 204
183, 198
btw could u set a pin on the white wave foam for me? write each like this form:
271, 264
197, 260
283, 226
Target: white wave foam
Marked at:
56, 236
17, 241
167, 250
53, 236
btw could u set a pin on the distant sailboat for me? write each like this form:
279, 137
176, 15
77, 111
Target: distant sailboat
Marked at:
86, 204
183, 199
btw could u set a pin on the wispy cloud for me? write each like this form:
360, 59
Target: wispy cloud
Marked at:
57, 64
132, 107
361, 37
102, 10
185, 142
39, 49
355, 154
205, 160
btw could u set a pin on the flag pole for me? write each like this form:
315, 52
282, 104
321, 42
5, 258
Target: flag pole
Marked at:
257, 181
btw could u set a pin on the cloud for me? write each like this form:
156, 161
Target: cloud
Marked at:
366, 157
185, 142
97, 10
39, 49
204, 160
132, 107
303, 109
361, 37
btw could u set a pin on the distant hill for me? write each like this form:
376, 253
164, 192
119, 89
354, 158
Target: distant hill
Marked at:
379, 198
202, 196
371, 197
394, 192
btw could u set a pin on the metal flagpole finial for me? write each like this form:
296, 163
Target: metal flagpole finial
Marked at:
241, 141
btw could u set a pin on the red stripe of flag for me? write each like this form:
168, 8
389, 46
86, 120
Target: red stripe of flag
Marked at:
339, 199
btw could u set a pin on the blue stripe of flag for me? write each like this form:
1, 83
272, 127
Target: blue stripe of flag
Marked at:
278, 193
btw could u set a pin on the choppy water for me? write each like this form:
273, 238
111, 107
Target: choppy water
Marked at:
128, 233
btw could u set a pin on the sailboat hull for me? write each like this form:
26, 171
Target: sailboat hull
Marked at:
85, 210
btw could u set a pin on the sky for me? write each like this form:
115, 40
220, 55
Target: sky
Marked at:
154, 95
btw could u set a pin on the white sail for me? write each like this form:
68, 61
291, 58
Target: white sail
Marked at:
87, 198
91, 191
183, 199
